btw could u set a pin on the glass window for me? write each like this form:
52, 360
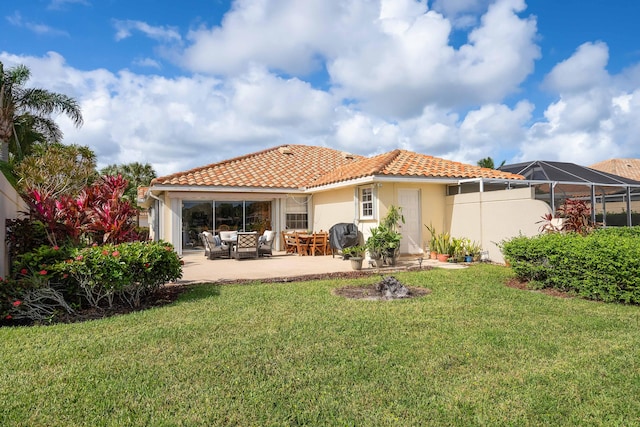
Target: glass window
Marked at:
258, 216
366, 202
229, 215
197, 216
296, 216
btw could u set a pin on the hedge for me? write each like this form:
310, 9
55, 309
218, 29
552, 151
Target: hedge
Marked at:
603, 265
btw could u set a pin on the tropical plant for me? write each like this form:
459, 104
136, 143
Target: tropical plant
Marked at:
57, 169
25, 112
488, 163
97, 215
393, 218
432, 232
354, 251
575, 216
137, 175
376, 242
443, 244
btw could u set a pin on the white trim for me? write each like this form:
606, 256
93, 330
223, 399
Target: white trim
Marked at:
258, 197
221, 189
176, 225
373, 203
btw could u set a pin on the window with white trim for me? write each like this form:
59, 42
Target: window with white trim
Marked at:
366, 202
296, 215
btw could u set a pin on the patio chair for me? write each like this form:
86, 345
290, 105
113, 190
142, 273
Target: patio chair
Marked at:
289, 239
213, 246
318, 243
246, 245
302, 243
265, 243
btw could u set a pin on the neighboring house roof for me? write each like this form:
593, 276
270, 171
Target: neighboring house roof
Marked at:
628, 168
541, 170
302, 166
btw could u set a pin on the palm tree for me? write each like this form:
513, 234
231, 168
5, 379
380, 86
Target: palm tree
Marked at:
487, 162
136, 173
24, 112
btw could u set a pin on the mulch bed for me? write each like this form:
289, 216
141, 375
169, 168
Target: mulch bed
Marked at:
519, 284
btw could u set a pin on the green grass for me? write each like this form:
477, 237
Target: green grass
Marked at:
473, 352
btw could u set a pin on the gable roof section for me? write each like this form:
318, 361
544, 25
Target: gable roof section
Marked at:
628, 168
302, 166
403, 163
285, 166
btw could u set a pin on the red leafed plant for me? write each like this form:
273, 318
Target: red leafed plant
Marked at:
575, 215
99, 213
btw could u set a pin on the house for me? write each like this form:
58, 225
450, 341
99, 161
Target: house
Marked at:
312, 188
630, 169
11, 204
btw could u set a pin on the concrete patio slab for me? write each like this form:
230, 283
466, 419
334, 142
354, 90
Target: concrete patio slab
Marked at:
197, 268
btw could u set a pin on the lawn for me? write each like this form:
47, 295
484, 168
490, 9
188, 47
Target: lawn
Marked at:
473, 352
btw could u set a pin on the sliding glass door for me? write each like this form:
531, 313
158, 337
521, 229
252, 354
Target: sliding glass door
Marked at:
210, 215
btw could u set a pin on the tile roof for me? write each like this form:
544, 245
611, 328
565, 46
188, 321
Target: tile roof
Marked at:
285, 166
628, 168
403, 163
298, 166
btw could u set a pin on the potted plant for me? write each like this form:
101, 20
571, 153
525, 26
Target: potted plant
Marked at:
433, 253
376, 245
473, 252
389, 228
355, 255
443, 246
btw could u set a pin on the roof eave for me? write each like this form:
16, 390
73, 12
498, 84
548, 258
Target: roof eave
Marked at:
159, 188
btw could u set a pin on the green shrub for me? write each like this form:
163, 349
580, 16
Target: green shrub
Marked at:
51, 280
603, 265
128, 271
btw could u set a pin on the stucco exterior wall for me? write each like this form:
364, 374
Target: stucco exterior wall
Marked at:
10, 205
490, 217
335, 206
332, 207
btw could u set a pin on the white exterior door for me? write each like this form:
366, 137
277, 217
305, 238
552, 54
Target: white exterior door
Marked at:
409, 201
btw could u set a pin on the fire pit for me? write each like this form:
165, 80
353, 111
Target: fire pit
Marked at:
389, 288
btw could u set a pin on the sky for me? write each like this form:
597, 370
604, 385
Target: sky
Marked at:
185, 84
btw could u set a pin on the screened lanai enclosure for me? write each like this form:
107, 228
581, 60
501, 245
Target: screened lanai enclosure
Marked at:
614, 200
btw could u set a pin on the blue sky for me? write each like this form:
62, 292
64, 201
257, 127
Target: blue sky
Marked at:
184, 84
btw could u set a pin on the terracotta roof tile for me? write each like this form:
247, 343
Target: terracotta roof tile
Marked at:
628, 168
403, 163
286, 166
298, 166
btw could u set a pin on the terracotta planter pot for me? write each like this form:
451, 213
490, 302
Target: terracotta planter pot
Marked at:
443, 257
433, 255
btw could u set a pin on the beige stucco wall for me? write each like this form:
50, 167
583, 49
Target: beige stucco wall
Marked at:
490, 217
331, 207
10, 205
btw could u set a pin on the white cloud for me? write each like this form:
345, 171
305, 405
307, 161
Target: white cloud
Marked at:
160, 33
393, 81
147, 62
583, 70
17, 21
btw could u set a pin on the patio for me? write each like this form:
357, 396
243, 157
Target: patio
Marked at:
197, 268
